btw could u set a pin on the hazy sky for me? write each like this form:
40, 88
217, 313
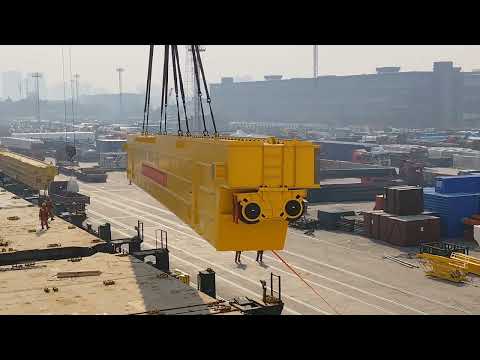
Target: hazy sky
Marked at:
96, 64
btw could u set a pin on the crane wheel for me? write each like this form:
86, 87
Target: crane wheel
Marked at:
294, 209
250, 213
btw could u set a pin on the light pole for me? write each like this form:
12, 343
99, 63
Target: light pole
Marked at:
77, 85
37, 77
120, 71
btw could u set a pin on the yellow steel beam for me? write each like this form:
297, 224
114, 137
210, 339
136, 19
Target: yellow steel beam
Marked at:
34, 173
445, 268
237, 193
472, 263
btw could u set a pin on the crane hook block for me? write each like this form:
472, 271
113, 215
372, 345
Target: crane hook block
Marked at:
237, 193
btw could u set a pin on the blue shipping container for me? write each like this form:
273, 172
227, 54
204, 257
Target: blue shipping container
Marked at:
452, 209
457, 184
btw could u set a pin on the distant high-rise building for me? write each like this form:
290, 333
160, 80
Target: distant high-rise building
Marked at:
12, 85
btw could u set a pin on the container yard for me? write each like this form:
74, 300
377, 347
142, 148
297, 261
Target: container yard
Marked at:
192, 212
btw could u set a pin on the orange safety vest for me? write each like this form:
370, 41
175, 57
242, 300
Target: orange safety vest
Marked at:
43, 214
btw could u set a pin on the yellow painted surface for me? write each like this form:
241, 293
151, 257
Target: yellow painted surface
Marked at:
182, 276
34, 173
203, 180
472, 263
443, 267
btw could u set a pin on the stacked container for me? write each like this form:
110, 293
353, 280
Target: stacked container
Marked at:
457, 184
403, 223
404, 200
452, 208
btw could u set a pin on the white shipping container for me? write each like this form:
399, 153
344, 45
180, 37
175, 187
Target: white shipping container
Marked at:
449, 152
79, 136
476, 233
19, 143
466, 162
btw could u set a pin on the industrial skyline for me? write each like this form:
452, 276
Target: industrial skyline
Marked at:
97, 64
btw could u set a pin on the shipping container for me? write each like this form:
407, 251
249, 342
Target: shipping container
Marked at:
458, 184
328, 219
404, 200
80, 136
340, 150
452, 209
410, 230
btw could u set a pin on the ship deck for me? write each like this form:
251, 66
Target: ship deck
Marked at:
21, 237
137, 288
31, 260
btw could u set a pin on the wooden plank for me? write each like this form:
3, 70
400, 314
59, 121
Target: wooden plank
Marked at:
67, 274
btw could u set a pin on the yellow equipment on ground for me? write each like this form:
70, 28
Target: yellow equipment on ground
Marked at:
182, 276
237, 193
443, 267
472, 264
34, 173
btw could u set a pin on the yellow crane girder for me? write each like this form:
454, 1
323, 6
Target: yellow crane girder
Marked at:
472, 263
34, 173
237, 193
443, 267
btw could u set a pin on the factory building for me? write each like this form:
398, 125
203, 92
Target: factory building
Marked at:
437, 98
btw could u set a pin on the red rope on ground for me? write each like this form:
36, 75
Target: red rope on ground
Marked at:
298, 275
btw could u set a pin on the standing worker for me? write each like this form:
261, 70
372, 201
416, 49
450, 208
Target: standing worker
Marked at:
43, 215
50, 207
259, 256
237, 257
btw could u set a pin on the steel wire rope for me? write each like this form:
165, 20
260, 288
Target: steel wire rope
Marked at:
209, 101
182, 92
175, 83
146, 109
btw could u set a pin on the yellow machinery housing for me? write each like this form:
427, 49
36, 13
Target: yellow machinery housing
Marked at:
34, 173
472, 263
182, 276
451, 269
237, 193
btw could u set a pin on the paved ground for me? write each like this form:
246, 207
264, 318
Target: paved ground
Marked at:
347, 271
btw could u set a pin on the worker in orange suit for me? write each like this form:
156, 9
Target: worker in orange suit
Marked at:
43, 215
50, 208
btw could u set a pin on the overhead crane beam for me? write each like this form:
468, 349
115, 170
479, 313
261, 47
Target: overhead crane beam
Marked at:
34, 173
237, 193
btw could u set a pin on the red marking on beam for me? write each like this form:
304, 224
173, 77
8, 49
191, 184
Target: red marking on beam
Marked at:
154, 174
